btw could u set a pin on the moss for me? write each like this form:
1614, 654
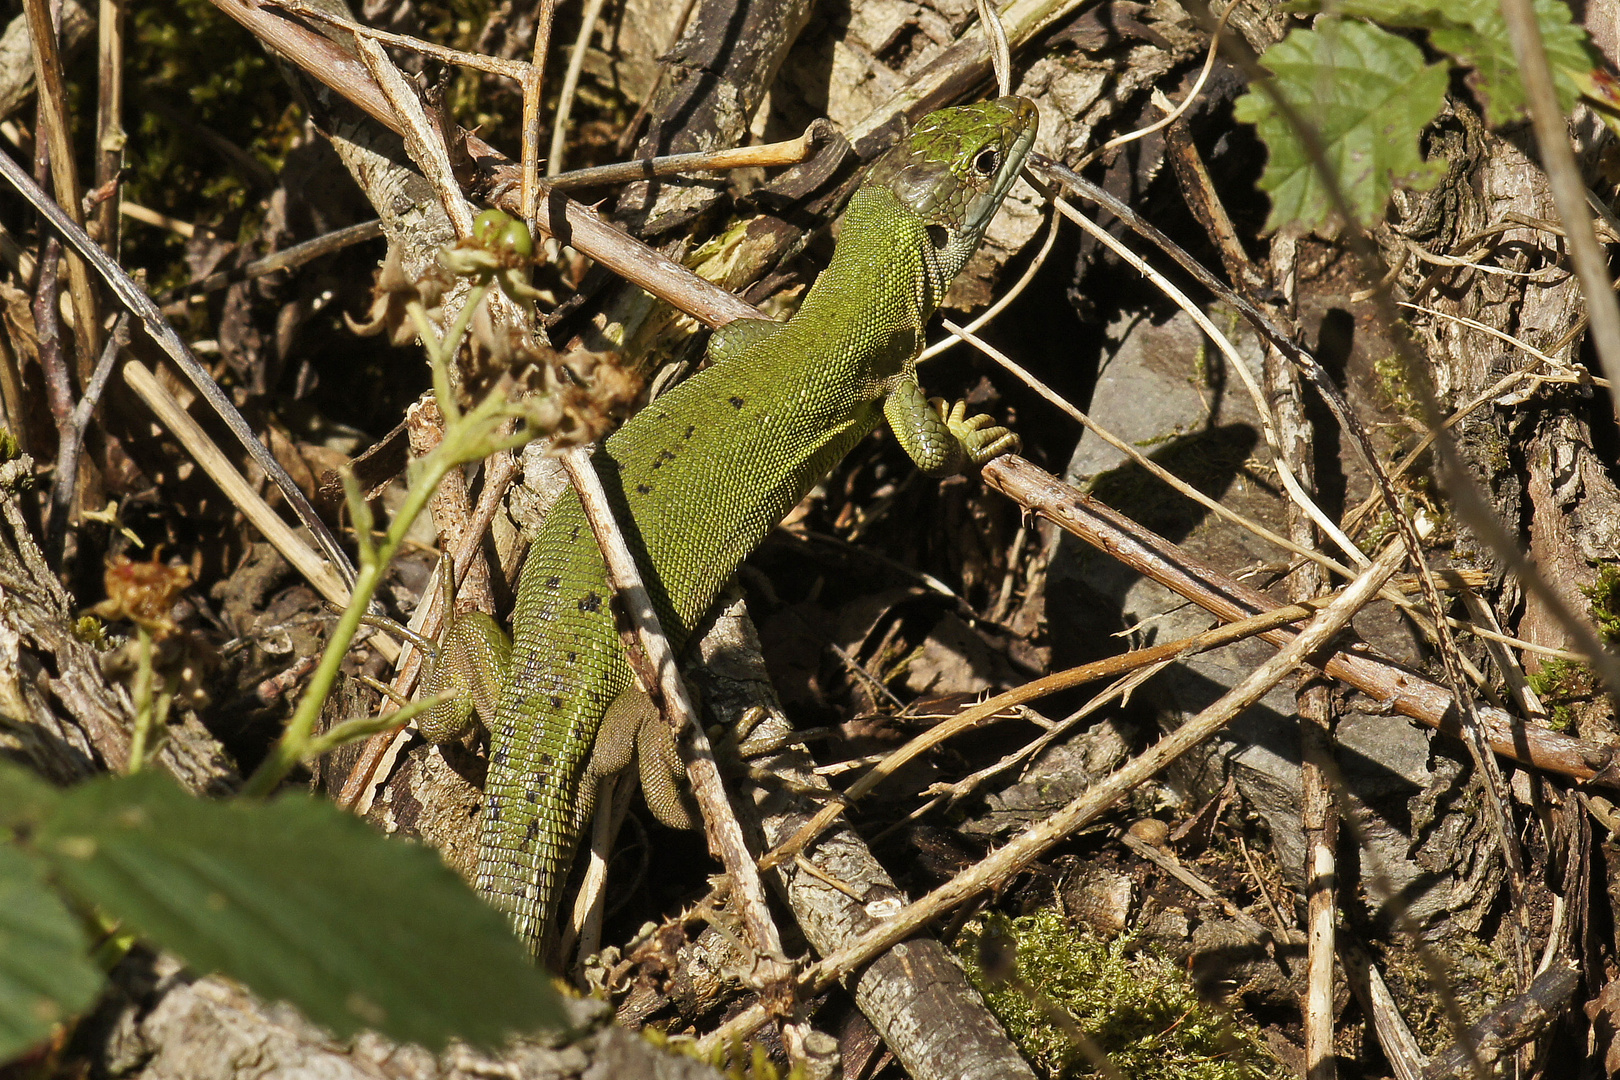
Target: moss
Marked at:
1478, 978
1492, 450
1392, 375
740, 1061
1605, 597
1137, 1007
1559, 684
93, 632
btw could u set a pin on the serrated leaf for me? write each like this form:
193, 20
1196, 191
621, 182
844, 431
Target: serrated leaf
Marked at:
1474, 33
45, 973
303, 903
1367, 94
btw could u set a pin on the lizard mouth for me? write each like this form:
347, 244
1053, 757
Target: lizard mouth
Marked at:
1021, 126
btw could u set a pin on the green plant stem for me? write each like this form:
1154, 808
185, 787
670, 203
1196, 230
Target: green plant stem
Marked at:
440, 350
295, 742
365, 726
470, 437
143, 701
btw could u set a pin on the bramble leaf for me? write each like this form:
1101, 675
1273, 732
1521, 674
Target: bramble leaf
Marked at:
1474, 34
1367, 95
300, 902
45, 972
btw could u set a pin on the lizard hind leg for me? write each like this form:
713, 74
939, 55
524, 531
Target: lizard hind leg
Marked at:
469, 664
633, 728
663, 776
616, 739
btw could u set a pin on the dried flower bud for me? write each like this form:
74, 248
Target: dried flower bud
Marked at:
144, 593
390, 297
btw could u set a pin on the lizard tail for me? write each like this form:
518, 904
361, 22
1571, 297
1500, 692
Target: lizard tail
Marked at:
525, 879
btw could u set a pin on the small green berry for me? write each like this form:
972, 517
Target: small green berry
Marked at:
501, 233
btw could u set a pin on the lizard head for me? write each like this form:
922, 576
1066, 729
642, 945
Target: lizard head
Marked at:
955, 168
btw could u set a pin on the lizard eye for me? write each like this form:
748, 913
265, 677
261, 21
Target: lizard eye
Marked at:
986, 163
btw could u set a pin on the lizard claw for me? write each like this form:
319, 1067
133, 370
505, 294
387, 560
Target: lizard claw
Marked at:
981, 438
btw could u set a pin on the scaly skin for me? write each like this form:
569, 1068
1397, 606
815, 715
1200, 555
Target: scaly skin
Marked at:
704, 472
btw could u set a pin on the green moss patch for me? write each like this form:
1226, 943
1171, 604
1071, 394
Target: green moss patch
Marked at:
1139, 1008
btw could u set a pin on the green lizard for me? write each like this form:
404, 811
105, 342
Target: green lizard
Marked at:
699, 477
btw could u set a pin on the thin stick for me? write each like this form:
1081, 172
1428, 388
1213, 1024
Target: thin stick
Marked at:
561, 217
1000, 53
58, 383
584, 925
71, 439
1468, 499
632, 130
1395, 688
1045, 686
219, 468
285, 259
1171, 114
1012, 857
1313, 698
147, 216
1568, 189
1214, 506
109, 114
426, 621
534, 86
422, 138
13, 404
1167, 861
1321, 826
982, 320
1268, 423
1221, 510
136, 300
1400, 1046
653, 661
765, 155
1120, 690
515, 70
565, 101
1373, 501
64, 173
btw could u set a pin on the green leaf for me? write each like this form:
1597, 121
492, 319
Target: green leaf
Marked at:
304, 903
45, 974
25, 799
1367, 94
1474, 34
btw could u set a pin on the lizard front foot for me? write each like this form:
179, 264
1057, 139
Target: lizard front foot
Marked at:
942, 439
981, 438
